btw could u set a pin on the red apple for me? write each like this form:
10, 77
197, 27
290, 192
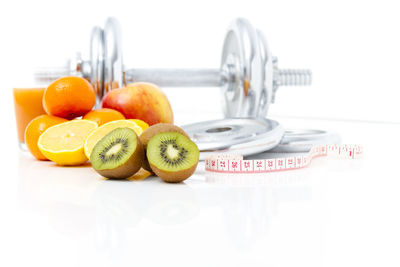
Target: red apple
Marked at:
143, 101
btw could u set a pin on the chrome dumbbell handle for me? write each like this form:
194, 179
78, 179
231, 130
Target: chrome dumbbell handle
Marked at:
189, 77
209, 77
47, 75
177, 77
293, 77
182, 77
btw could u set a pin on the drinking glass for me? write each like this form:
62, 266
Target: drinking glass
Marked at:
28, 105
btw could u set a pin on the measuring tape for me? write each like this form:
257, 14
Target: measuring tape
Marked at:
228, 163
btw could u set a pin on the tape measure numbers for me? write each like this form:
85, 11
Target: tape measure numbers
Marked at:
226, 163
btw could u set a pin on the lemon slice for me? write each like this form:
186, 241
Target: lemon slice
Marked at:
142, 124
103, 130
63, 143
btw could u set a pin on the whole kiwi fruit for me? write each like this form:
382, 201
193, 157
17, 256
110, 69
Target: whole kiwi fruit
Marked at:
153, 130
118, 155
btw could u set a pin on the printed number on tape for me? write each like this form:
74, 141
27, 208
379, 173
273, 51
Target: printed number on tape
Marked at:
227, 163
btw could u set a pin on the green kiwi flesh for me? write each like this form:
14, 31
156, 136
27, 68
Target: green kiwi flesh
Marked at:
118, 155
172, 156
153, 130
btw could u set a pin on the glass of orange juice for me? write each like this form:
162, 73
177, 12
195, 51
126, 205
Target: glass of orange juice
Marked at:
28, 105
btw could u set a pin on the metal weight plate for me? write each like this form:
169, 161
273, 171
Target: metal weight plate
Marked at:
97, 63
296, 141
243, 62
267, 75
244, 136
113, 66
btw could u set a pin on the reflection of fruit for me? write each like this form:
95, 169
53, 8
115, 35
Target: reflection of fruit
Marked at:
35, 128
156, 129
123, 206
69, 97
171, 204
63, 143
142, 101
103, 115
103, 130
118, 155
142, 124
172, 156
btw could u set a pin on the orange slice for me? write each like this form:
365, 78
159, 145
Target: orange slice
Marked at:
35, 129
142, 124
63, 143
103, 130
140, 175
103, 115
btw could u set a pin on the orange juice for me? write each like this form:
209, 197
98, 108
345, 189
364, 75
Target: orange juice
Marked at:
28, 105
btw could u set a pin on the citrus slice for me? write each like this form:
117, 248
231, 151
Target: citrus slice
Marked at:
35, 128
63, 143
103, 130
103, 115
142, 124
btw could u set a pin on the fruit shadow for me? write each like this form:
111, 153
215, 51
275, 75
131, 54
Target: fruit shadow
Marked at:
141, 176
55, 165
149, 179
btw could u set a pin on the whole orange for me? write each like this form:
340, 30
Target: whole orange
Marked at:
69, 97
35, 128
103, 115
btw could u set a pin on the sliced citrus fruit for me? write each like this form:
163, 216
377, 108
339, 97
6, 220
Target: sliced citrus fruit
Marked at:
103, 115
63, 143
106, 128
35, 128
140, 175
142, 124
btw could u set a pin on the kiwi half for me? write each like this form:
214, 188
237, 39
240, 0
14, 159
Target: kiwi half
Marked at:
118, 155
172, 156
153, 130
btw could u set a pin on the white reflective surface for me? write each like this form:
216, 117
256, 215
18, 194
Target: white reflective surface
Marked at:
334, 213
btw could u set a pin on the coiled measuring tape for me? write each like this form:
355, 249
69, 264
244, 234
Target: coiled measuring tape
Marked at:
230, 163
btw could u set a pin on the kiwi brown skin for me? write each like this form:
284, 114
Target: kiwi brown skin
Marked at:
153, 130
159, 128
129, 168
146, 164
174, 177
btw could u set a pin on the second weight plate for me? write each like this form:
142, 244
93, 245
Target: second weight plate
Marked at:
242, 136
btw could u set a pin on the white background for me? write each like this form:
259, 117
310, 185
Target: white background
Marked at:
351, 46
335, 213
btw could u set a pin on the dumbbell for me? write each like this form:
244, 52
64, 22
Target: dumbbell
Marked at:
248, 76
